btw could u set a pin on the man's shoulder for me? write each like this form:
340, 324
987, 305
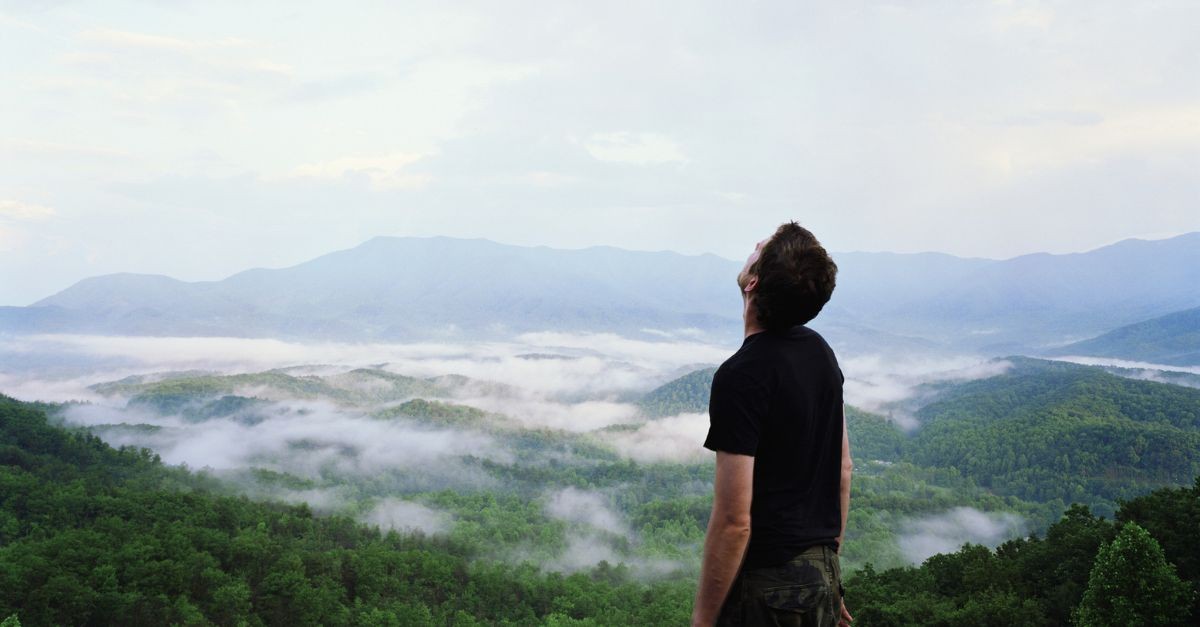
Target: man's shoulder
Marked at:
743, 368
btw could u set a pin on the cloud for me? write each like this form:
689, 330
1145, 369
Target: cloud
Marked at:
25, 212
945, 533
51, 389
586, 508
585, 551
306, 439
319, 499
401, 515
1125, 363
383, 172
532, 412
600, 364
124, 39
882, 385
63, 151
634, 148
674, 439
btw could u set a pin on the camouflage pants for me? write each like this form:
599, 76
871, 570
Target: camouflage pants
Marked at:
805, 591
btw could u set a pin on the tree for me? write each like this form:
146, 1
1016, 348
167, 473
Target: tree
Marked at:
1133, 584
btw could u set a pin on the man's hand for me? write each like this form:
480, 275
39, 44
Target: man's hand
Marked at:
728, 534
846, 618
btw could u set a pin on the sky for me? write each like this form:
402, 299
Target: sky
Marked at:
198, 139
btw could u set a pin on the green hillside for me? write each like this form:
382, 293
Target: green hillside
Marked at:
1173, 339
181, 392
687, 394
1046, 580
1051, 430
1044, 431
94, 535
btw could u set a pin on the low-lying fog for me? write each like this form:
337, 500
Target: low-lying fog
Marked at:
583, 386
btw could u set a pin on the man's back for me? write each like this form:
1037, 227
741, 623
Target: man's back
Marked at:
779, 399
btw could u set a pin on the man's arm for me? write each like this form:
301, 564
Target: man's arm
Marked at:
847, 470
844, 618
728, 534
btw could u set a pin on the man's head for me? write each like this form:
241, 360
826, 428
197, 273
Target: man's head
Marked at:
789, 276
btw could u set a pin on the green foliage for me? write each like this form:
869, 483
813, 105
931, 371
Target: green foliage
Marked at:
873, 437
1036, 581
191, 392
687, 394
1058, 431
436, 412
97, 535
117, 534
1132, 584
1172, 517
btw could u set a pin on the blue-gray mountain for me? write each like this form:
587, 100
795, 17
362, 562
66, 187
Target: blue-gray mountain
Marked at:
1173, 339
407, 288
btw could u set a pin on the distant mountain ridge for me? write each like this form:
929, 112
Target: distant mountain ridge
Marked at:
391, 288
1173, 339
407, 288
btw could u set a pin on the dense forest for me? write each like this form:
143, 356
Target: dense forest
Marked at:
91, 535
94, 535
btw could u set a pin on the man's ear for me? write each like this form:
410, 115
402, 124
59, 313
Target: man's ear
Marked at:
751, 284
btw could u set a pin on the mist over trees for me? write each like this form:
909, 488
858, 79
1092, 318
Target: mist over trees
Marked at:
92, 534
556, 478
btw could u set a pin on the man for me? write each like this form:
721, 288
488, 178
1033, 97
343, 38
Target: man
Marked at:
777, 423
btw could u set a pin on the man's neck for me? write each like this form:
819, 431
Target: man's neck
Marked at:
750, 319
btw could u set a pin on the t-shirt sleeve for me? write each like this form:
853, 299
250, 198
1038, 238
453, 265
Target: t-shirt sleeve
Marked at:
736, 410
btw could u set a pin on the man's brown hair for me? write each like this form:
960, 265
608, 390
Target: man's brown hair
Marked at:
796, 277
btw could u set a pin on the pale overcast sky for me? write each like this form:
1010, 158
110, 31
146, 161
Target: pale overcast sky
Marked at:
196, 139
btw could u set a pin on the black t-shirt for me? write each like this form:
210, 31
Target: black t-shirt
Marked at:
779, 399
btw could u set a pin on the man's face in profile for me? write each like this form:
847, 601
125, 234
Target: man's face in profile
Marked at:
743, 277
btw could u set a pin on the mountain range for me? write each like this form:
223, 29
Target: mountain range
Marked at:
1173, 339
392, 288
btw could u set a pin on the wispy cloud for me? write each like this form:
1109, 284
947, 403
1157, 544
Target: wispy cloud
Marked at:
882, 385
586, 508
305, 439
383, 172
148, 41
1125, 363
401, 515
24, 211
634, 148
945, 533
593, 365
673, 439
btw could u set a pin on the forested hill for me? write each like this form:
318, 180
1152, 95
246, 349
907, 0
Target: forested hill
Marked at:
1173, 339
687, 394
94, 535
1041, 431
1141, 569
1049, 430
